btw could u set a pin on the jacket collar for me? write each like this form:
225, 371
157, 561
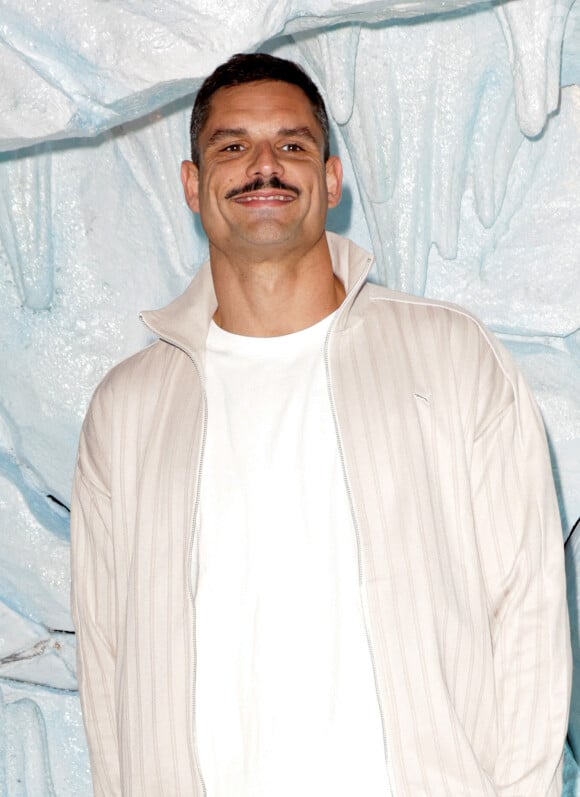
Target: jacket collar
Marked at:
185, 321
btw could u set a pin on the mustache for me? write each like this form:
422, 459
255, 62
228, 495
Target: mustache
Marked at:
259, 183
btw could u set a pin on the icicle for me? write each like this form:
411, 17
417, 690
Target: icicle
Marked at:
534, 30
25, 226
332, 55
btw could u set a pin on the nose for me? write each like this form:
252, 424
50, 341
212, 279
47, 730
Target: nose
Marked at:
264, 161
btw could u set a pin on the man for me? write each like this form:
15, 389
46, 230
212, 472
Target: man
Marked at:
316, 548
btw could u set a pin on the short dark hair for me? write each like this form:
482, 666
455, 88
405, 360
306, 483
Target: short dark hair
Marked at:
249, 68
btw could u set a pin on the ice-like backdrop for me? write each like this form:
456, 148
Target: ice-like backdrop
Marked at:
459, 126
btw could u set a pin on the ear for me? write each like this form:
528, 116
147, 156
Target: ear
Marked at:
333, 180
190, 183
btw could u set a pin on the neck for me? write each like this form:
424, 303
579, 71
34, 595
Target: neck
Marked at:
275, 296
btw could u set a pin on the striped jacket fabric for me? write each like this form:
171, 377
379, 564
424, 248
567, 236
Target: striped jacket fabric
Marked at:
458, 537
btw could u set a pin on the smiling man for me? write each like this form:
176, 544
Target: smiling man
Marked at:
316, 548
262, 182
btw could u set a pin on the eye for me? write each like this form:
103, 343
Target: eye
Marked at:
233, 148
292, 147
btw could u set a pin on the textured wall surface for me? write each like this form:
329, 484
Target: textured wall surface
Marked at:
460, 133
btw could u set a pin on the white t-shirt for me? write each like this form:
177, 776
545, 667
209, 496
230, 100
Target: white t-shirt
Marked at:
285, 696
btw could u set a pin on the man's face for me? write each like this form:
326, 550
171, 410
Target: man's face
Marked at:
262, 185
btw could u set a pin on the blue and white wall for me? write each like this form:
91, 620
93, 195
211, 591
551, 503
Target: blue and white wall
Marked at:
460, 133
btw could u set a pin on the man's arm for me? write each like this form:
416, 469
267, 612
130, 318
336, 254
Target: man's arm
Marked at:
93, 601
520, 539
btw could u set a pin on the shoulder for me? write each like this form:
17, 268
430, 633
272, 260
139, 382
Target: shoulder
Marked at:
136, 385
428, 311
456, 329
139, 371
448, 343
129, 401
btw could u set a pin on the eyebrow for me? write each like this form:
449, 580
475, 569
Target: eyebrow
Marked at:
298, 132
225, 132
237, 132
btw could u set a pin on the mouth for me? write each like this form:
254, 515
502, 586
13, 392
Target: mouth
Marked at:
272, 191
260, 197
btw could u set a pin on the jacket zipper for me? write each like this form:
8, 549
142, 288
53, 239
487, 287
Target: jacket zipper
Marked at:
191, 546
359, 553
190, 569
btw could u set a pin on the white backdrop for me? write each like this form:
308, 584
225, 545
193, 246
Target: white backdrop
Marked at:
460, 133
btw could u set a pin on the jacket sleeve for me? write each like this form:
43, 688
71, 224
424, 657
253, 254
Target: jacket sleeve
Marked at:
521, 547
93, 599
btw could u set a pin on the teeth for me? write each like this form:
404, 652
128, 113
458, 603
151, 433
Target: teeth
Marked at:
277, 197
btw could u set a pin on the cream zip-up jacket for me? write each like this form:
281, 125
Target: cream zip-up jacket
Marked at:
458, 537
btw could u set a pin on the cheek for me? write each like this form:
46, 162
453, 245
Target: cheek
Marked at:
212, 190
217, 184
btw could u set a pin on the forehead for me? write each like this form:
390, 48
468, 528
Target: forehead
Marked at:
261, 103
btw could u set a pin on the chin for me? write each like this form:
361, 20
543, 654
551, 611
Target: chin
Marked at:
267, 235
